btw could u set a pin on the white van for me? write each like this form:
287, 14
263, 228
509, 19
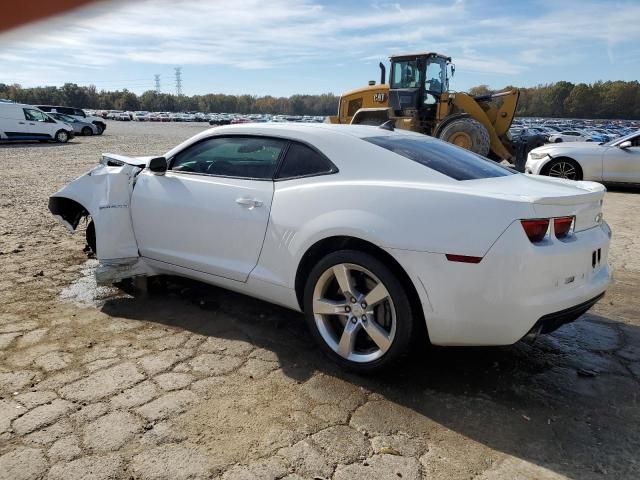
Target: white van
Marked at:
25, 122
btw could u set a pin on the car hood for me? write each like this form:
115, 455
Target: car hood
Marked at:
567, 146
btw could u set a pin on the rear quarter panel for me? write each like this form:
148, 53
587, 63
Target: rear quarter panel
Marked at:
390, 215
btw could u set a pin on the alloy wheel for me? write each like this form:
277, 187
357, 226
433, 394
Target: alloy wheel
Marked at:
563, 170
354, 313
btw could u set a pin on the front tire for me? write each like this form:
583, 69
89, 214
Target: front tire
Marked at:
467, 133
563, 168
62, 136
91, 237
100, 128
358, 311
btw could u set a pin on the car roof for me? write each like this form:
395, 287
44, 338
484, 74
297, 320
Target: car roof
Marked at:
304, 129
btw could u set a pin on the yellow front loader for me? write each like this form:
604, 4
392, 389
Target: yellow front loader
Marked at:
417, 98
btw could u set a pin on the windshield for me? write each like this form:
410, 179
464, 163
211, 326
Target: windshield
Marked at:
65, 118
631, 136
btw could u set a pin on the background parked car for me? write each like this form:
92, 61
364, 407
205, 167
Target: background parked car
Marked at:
77, 113
617, 161
79, 127
569, 136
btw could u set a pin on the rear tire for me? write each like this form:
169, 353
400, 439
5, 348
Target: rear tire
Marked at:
467, 133
359, 337
87, 132
558, 140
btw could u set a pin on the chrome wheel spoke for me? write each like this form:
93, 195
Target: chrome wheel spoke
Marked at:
323, 306
349, 321
348, 339
379, 336
376, 295
343, 276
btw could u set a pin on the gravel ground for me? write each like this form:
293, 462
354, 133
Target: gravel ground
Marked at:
197, 382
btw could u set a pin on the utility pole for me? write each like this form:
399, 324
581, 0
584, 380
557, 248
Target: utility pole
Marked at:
178, 80
157, 81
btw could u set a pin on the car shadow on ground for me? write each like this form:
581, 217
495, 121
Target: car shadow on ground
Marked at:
568, 402
36, 143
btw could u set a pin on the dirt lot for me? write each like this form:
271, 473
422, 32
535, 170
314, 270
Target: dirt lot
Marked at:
197, 382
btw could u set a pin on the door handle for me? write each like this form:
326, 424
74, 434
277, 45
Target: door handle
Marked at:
250, 203
21, 123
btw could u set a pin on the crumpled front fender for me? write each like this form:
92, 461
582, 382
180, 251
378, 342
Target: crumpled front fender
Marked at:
104, 193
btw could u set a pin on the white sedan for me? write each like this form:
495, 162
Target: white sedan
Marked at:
381, 237
570, 136
617, 161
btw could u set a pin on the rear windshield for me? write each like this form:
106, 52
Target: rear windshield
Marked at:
442, 157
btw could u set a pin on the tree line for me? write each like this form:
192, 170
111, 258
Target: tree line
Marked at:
611, 100
74, 95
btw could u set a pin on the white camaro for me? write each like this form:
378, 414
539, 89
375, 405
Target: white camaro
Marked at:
617, 161
374, 234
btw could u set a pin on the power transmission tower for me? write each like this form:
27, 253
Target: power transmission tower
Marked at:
157, 80
178, 80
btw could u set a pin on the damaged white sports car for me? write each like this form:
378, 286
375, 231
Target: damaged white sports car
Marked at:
381, 237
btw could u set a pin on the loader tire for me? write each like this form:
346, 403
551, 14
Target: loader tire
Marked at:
467, 133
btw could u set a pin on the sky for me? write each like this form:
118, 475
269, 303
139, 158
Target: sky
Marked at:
284, 47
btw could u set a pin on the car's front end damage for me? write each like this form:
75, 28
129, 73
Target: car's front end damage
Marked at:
104, 195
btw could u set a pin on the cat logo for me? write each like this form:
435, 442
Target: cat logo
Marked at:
379, 97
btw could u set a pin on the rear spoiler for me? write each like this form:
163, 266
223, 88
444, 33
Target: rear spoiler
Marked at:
115, 160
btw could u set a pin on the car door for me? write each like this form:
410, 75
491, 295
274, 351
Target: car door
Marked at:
39, 124
209, 212
622, 164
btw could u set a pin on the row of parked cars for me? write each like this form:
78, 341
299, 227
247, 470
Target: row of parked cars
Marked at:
46, 123
211, 118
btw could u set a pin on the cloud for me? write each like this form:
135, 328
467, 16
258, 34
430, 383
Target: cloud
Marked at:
258, 35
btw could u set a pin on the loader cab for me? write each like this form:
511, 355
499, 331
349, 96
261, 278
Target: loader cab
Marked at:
416, 83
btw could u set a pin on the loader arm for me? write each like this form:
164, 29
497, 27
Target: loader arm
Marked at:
466, 103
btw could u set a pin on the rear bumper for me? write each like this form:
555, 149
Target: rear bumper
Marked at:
516, 285
553, 321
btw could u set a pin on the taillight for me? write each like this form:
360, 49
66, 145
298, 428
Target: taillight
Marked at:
535, 229
562, 226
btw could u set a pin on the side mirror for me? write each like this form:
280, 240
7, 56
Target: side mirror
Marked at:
158, 165
625, 145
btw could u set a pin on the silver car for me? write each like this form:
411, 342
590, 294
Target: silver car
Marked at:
617, 161
79, 127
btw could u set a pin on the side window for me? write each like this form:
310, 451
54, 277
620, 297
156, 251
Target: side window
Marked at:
65, 110
78, 112
302, 161
236, 156
34, 115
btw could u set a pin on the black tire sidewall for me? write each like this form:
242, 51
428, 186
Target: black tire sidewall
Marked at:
86, 131
90, 236
57, 135
480, 137
401, 344
555, 161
